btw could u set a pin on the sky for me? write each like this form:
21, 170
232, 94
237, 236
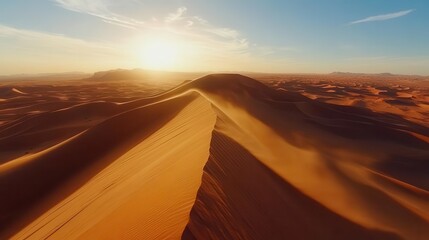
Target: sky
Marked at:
289, 36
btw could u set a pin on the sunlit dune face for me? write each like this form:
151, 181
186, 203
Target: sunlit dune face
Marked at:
160, 54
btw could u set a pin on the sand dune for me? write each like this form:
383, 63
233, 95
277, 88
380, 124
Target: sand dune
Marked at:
325, 143
220, 157
286, 212
10, 92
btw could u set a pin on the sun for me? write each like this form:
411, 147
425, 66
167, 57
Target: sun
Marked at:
159, 54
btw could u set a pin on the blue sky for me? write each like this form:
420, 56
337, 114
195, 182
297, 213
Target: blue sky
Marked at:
243, 35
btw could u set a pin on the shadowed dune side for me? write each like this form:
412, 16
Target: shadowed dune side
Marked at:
325, 151
255, 203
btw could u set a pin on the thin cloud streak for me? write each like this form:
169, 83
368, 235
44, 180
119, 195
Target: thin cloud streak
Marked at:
383, 17
197, 29
208, 41
178, 22
178, 15
98, 8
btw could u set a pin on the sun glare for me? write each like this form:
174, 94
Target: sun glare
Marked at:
159, 54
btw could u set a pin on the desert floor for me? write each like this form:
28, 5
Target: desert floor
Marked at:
223, 156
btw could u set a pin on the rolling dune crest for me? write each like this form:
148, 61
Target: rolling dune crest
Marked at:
221, 157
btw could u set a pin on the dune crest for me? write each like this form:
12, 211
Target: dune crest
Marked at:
220, 157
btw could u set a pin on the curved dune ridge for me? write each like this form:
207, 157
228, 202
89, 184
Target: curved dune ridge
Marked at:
220, 157
8, 92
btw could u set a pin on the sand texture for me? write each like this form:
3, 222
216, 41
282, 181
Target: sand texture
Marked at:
223, 156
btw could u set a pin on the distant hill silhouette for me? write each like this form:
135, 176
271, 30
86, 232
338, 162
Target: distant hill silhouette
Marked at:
141, 74
386, 74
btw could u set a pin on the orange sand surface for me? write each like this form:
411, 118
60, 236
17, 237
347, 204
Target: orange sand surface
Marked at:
223, 156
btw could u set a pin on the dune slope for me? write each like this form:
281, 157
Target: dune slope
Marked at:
334, 155
258, 204
220, 157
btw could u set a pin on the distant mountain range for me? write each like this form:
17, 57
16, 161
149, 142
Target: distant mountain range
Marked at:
141, 74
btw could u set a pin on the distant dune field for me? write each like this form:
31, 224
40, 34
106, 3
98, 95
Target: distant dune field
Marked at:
223, 156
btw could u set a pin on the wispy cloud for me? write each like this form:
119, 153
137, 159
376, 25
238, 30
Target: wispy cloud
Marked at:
179, 22
201, 38
383, 17
100, 9
176, 16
